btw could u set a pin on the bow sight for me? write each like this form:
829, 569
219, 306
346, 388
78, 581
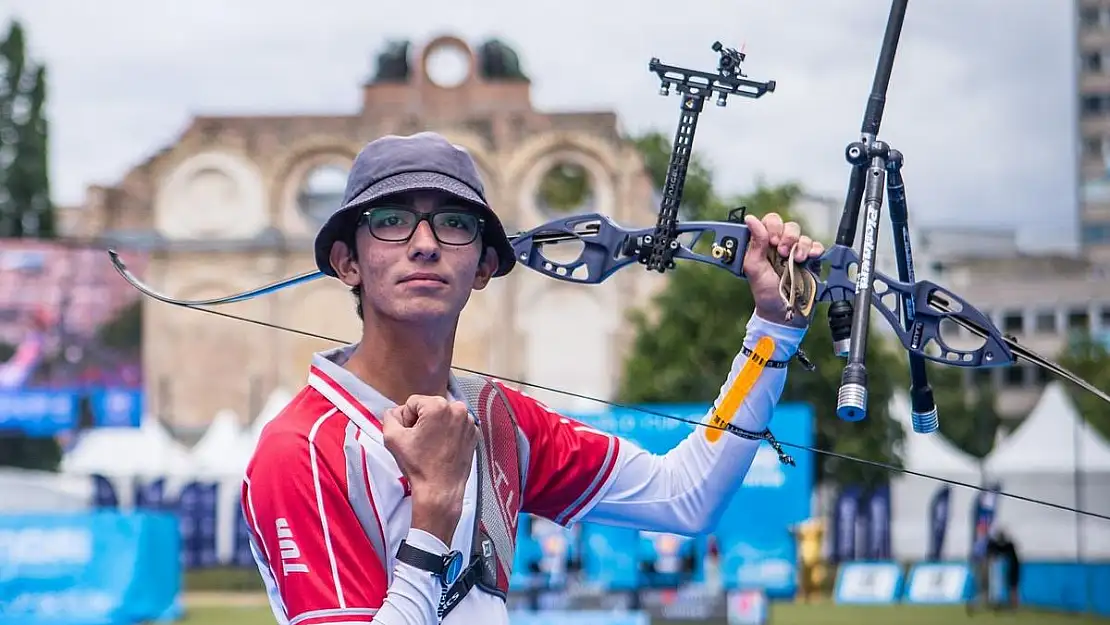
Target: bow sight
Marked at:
875, 166
658, 249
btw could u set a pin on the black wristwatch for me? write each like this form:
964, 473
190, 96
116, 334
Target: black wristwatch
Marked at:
447, 567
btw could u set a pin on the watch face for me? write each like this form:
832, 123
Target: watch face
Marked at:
454, 567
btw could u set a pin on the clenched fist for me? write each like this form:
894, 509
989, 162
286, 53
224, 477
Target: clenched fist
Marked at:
433, 442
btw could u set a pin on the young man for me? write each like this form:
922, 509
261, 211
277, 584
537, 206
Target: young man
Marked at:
388, 490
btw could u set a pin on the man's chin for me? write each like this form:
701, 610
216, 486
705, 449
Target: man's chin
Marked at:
425, 311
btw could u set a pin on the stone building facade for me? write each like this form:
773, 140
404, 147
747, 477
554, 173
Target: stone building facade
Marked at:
234, 202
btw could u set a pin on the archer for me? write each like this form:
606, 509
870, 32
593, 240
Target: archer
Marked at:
388, 490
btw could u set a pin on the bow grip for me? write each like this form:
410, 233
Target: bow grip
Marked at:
800, 292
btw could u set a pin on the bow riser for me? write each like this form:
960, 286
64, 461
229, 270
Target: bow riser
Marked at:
608, 247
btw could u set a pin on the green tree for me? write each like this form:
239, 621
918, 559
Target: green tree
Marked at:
25, 207
125, 330
685, 346
1089, 359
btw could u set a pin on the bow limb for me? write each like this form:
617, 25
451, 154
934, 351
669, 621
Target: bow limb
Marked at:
121, 267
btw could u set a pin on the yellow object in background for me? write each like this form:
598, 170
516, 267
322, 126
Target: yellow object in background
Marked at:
813, 570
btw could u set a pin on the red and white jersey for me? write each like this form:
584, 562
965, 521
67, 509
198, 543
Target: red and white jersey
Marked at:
328, 505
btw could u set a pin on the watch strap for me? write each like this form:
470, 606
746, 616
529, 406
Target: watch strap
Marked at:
423, 560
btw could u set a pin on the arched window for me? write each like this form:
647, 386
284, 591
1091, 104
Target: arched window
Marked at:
321, 193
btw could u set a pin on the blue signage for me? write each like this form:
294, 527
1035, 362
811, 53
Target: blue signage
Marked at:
868, 583
610, 557
845, 521
756, 550
878, 535
986, 502
89, 569
49, 412
117, 407
38, 412
939, 583
938, 521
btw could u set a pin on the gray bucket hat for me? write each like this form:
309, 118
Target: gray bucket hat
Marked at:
419, 162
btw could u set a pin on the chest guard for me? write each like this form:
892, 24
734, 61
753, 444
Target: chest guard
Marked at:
502, 471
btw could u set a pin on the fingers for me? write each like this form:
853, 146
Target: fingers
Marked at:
772, 231
421, 405
791, 232
760, 238
391, 420
459, 410
432, 406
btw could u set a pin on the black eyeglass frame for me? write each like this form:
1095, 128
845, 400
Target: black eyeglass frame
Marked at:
420, 217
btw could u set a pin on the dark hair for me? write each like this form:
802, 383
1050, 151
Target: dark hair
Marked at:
351, 240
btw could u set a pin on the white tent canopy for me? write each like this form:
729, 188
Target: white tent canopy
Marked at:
220, 450
148, 450
275, 403
930, 453
911, 495
1053, 438
1055, 456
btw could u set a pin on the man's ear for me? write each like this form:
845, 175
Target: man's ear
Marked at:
343, 262
486, 267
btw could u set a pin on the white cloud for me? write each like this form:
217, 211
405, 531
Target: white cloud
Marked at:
980, 101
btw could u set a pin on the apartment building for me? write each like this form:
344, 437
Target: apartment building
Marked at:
1093, 126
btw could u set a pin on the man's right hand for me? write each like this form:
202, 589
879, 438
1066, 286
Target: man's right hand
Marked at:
433, 442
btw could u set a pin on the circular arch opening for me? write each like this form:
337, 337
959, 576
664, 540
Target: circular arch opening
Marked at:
447, 64
321, 192
564, 188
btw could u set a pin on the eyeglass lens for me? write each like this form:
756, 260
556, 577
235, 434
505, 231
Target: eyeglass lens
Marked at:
397, 223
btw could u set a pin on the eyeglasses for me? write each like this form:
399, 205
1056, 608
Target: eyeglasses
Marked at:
451, 226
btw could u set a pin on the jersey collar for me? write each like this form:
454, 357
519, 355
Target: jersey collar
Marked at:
359, 401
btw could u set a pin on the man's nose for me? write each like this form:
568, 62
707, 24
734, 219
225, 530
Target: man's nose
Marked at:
423, 242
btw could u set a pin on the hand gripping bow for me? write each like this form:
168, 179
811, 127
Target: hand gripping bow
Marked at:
914, 309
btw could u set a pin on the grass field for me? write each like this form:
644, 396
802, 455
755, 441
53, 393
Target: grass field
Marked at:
207, 613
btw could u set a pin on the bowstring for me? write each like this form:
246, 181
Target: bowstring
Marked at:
816, 450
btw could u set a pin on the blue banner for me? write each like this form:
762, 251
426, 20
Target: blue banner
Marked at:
982, 519
845, 518
938, 522
196, 511
610, 556
939, 583
868, 583
757, 550
117, 407
878, 536
863, 528
38, 413
49, 412
102, 568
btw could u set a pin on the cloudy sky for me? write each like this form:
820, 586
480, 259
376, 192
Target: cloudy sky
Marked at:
980, 101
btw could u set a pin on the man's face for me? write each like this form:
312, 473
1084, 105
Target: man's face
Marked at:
424, 278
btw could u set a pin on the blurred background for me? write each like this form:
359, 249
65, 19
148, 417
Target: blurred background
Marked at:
207, 141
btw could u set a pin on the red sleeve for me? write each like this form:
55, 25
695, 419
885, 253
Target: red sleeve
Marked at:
568, 463
309, 540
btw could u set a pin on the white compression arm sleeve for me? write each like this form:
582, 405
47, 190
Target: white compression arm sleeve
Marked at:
686, 490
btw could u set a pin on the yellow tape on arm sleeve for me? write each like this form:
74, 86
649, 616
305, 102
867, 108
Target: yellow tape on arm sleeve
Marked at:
741, 386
